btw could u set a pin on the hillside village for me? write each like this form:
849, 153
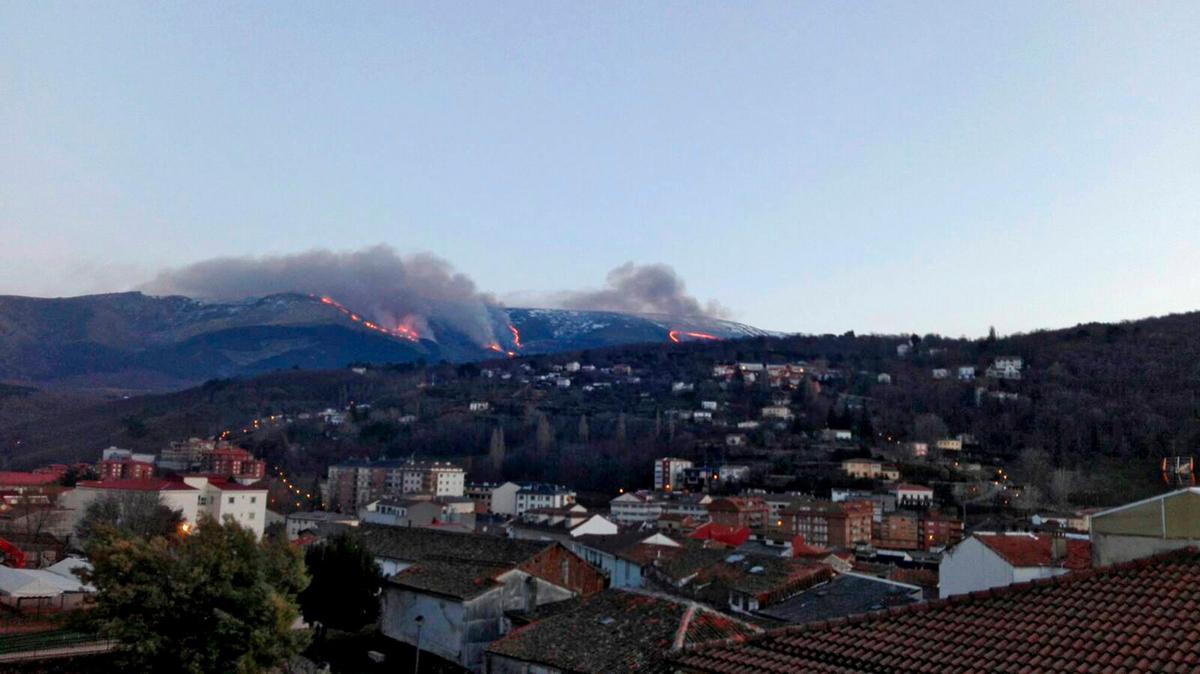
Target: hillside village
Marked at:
731, 498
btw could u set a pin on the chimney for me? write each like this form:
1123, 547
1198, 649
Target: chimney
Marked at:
1058, 548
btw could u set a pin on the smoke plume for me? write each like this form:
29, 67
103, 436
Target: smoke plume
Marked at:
388, 288
641, 289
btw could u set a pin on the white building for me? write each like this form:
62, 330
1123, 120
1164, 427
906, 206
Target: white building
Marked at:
702, 416
668, 472
733, 473
966, 373
543, 496
635, 507
776, 412
710, 405
1006, 367
940, 373
987, 560
504, 499
299, 522
912, 495
192, 496
479, 406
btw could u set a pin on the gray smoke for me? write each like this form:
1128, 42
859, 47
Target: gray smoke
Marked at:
641, 289
384, 286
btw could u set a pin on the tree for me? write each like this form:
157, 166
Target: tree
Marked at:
584, 432
134, 513
216, 600
496, 449
545, 435
344, 592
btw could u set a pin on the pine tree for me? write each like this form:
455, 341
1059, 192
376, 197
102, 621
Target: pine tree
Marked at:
496, 449
620, 436
584, 431
545, 435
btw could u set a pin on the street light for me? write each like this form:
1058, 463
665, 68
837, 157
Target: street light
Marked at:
419, 620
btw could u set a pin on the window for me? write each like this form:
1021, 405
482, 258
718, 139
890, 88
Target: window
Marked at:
250, 516
231, 499
254, 499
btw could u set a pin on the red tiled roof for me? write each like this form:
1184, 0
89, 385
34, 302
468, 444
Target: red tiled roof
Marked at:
9, 478
1021, 549
722, 534
153, 484
1134, 617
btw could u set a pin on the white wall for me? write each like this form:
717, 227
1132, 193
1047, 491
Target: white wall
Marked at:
971, 566
504, 498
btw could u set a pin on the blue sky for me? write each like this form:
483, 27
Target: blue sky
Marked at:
815, 167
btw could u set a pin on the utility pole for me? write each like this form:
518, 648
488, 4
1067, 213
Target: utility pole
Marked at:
420, 620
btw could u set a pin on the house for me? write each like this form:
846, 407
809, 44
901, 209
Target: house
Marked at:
710, 405
728, 472
869, 469
462, 586
702, 416
420, 512
845, 594
635, 507
912, 495
948, 445
614, 631
1078, 623
744, 583
735, 440
987, 560
622, 557
966, 373
479, 406
884, 378
836, 435
903, 349
1006, 367
776, 412
940, 373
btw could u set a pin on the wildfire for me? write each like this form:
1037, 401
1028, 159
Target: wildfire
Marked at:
516, 335
674, 336
403, 331
516, 341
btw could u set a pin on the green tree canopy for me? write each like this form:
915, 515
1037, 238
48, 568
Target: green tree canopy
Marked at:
344, 592
134, 513
215, 600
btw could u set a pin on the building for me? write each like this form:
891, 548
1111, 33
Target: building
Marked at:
884, 378
614, 631
317, 522
353, 484
966, 373
463, 586
940, 373
622, 557
912, 495
668, 472
124, 469
986, 560
898, 530
635, 507
939, 531
1157, 524
118, 453
1128, 617
749, 512
827, 524
777, 412
728, 472
1006, 367
191, 495
869, 469
539, 495
233, 462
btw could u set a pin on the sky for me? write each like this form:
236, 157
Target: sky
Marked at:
814, 167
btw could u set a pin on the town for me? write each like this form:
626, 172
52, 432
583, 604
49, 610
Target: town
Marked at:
766, 523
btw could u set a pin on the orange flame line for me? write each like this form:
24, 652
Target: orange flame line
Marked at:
674, 335
402, 331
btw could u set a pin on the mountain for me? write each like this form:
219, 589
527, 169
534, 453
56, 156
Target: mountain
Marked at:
133, 341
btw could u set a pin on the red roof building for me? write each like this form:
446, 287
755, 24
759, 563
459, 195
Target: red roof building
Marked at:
987, 560
1135, 617
731, 536
124, 469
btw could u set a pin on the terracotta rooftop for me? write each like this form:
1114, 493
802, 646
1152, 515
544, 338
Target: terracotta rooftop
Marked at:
616, 631
9, 478
1134, 617
152, 484
1022, 549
